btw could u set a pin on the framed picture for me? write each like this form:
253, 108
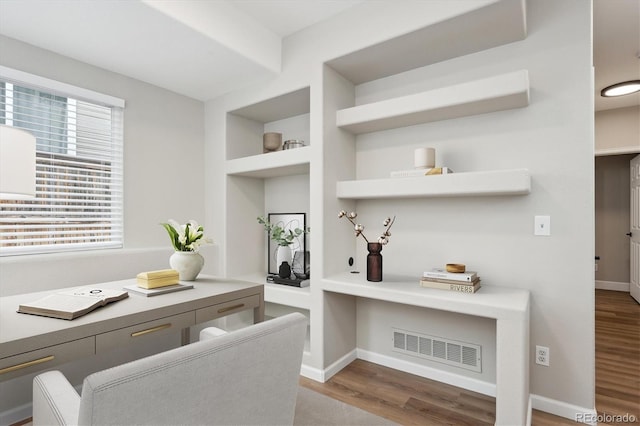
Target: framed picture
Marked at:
288, 221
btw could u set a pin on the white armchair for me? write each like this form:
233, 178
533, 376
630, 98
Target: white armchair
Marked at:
248, 376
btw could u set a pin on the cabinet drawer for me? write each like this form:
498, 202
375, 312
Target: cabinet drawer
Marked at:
143, 331
227, 308
46, 358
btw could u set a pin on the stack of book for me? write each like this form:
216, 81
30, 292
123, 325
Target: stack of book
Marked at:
152, 283
465, 282
293, 282
155, 279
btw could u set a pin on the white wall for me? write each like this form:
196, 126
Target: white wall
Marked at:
164, 178
552, 137
493, 235
618, 129
163, 169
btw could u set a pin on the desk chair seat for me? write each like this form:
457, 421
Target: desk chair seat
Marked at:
248, 376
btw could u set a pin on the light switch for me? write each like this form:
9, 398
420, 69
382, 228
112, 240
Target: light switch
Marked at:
542, 225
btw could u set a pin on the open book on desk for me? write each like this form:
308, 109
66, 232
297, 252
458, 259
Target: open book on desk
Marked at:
73, 303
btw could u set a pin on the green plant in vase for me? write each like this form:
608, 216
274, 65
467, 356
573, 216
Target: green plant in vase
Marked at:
284, 238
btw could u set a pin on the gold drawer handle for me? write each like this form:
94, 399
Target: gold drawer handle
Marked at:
150, 330
230, 308
26, 364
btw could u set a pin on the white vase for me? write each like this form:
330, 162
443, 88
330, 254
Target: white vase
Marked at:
283, 254
187, 263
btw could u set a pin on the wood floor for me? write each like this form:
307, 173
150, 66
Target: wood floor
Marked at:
411, 400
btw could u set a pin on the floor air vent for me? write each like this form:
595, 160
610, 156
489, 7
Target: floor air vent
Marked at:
447, 351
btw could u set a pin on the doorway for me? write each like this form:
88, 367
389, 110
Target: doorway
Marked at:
612, 218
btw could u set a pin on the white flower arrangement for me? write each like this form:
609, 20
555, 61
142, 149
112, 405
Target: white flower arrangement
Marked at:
187, 237
359, 228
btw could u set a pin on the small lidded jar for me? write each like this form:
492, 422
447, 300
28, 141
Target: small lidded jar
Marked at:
293, 143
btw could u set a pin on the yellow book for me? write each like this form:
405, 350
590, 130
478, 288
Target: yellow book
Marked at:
160, 278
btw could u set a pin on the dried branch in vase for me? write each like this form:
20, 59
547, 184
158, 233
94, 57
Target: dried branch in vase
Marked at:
359, 228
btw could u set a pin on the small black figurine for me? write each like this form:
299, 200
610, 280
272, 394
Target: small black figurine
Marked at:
285, 270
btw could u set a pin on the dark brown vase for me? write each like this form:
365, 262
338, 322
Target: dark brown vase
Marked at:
374, 262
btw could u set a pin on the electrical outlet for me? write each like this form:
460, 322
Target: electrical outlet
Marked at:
542, 355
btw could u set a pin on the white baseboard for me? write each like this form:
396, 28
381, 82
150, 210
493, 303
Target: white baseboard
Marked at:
312, 373
323, 375
340, 364
537, 402
458, 380
563, 409
541, 403
612, 285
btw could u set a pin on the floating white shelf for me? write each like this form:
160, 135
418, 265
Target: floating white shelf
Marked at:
501, 92
277, 108
465, 33
281, 294
499, 182
490, 301
272, 164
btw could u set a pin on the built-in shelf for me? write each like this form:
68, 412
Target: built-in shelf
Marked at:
277, 108
498, 182
617, 151
497, 93
281, 294
272, 164
441, 39
489, 302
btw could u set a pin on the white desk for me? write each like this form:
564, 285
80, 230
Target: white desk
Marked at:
508, 306
30, 343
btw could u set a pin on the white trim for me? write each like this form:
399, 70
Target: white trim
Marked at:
312, 373
59, 87
453, 379
617, 151
564, 409
323, 375
341, 363
612, 285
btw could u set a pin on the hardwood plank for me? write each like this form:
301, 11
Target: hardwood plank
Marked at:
412, 400
617, 356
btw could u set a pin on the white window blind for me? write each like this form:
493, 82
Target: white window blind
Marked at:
79, 156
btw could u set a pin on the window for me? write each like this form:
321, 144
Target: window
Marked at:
79, 194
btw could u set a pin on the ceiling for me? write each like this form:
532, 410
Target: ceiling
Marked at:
233, 43
616, 49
